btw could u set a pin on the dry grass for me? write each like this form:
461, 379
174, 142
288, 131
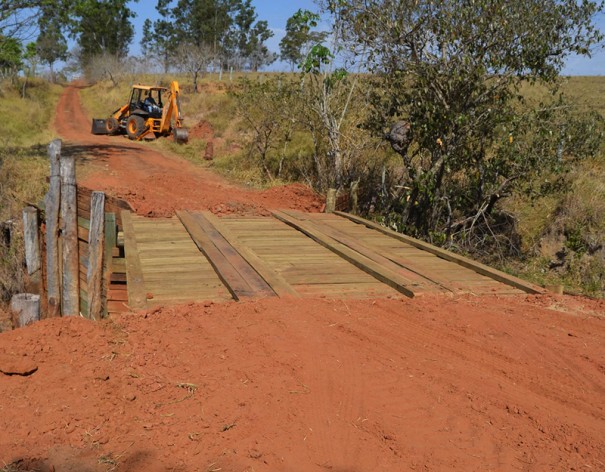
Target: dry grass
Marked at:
23, 167
547, 225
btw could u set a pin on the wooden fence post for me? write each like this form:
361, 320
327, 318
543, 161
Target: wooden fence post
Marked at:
355, 197
52, 203
26, 307
331, 200
32, 244
96, 238
69, 234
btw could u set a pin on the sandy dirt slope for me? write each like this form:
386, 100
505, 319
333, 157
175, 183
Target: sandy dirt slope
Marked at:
156, 184
427, 384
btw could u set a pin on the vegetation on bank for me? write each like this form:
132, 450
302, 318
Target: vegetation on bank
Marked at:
25, 133
557, 236
452, 120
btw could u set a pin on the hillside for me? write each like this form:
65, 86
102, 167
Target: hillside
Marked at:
558, 234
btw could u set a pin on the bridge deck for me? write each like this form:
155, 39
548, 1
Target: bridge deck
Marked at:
197, 256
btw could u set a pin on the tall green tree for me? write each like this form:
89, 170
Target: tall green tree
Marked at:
11, 56
102, 27
51, 45
247, 37
447, 97
300, 37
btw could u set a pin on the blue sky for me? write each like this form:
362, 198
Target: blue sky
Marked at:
277, 12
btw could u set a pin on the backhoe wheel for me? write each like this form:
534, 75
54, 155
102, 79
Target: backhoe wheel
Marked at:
135, 126
111, 125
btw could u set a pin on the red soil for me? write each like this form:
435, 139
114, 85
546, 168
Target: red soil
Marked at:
278, 385
157, 184
469, 384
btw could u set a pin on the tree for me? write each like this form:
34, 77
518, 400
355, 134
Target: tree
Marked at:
227, 27
194, 60
446, 95
102, 27
51, 45
247, 38
299, 38
159, 37
11, 56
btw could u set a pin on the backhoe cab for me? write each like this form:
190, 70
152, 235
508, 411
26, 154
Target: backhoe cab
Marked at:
151, 111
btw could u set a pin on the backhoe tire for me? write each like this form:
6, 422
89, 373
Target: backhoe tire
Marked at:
112, 126
135, 126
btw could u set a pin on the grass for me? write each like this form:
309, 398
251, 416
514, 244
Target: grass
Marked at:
570, 220
24, 135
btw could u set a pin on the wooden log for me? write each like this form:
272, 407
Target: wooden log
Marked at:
450, 256
32, 242
70, 303
331, 200
137, 298
96, 245
111, 233
26, 307
52, 208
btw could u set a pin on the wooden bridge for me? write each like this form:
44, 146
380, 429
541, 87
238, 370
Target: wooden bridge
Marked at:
196, 256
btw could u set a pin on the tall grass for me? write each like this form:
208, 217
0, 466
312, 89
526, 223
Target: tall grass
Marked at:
25, 130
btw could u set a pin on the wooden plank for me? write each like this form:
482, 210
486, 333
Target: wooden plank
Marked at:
111, 250
450, 256
52, 207
70, 304
117, 307
136, 287
230, 256
117, 277
394, 280
277, 283
96, 245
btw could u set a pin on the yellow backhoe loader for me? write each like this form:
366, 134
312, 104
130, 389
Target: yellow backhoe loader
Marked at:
151, 111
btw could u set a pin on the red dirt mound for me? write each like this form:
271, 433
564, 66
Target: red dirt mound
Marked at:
279, 385
202, 130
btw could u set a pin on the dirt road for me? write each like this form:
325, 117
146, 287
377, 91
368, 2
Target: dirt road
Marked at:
468, 384
426, 384
156, 183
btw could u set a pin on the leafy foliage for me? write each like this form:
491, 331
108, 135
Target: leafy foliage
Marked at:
299, 38
451, 72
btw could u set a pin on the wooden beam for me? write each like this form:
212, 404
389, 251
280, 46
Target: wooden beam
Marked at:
31, 237
377, 271
417, 280
277, 283
450, 256
223, 258
70, 295
110, 245
52, 206
96, 244
331, 200
137, 298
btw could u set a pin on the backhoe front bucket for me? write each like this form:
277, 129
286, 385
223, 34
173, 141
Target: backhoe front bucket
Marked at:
98, 126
